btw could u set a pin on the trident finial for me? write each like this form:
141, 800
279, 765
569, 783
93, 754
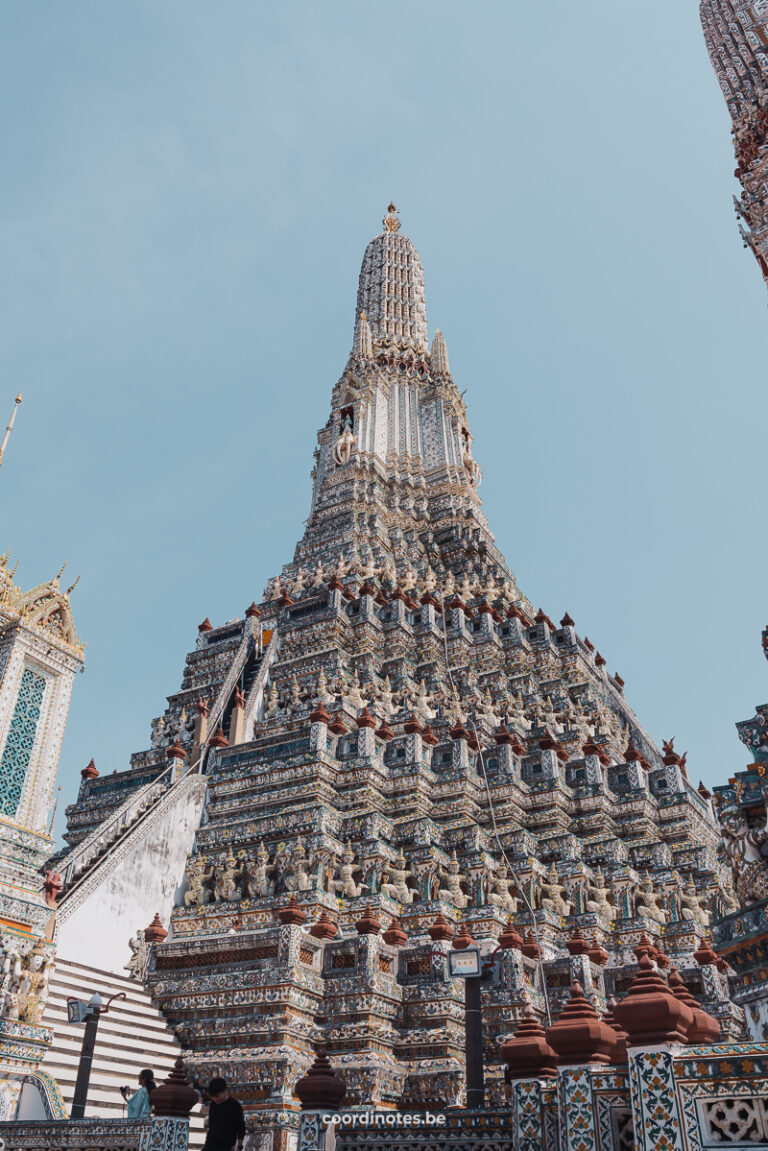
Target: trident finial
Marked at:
9, 429
391, 222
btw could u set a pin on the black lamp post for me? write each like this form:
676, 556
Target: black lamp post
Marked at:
92, 1014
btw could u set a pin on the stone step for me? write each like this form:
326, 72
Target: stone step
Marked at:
131, 1036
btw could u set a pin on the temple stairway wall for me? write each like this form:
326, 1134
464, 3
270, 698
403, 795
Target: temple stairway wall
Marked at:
140, 877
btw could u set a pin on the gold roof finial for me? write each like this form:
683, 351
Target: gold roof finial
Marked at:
390, 221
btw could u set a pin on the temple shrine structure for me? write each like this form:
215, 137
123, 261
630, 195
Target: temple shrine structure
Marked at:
736, 34
392, 745
741, 938
40, 652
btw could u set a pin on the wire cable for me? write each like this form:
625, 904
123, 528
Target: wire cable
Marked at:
494, 825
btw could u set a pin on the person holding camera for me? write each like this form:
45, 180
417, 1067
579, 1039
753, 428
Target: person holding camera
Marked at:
137, 1102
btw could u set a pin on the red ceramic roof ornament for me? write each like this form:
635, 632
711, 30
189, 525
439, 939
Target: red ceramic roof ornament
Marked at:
518, 747
368, 924
705, 1029
412, 726
580, 1035
206, 625
631, 754
335, 584
324, 927
319, 715
155, 933
650, 1013
90, 771
252, 612
292, 913
395, 934
644, 947
320, 1089
527, 1054
705, 956
459, 732
337, 725
530, 947
429, 737
510, 940
596, 953
440, 930
383, 731
577, 944
504, 736
174, 1098
463, 939
600, 661
175, 751
566, 621
219, 739
365, 719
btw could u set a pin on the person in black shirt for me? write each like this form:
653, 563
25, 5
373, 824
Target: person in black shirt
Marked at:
226, 1122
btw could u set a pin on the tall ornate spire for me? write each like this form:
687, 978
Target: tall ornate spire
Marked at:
439, 356
391, 289
737, 41
9, 429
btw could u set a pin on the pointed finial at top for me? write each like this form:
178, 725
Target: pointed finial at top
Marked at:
9, 429
391, 221
72, 586
61, 572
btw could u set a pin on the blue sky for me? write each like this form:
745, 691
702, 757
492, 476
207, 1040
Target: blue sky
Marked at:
187, 193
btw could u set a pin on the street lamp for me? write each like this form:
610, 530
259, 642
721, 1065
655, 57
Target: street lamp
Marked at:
90, 1012
465, 962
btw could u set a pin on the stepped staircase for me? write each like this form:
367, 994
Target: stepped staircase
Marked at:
131, 1036
83, 860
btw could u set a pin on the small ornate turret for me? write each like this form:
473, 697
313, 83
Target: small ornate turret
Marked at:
439, 356
363, 338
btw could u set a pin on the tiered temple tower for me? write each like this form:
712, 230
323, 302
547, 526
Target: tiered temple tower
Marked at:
395, 740
736, 32
39, 656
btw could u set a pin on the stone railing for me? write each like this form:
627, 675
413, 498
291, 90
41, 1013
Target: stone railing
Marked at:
676, 1098
96, 1135
73, 865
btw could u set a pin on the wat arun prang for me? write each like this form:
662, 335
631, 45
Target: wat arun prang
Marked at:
397, 741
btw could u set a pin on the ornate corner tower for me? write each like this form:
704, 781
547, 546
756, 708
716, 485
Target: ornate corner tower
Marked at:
39, 656
736, 33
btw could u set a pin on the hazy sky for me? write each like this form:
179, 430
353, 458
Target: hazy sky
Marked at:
187, 192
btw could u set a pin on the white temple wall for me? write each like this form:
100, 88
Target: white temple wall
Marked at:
129, 888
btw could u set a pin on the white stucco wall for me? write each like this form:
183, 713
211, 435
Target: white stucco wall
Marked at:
148, 878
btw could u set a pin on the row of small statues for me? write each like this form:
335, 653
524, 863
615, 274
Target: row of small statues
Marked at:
296, 870
24, 982
424, 581
491, 704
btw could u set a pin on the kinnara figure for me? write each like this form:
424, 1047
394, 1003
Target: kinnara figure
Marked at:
646, 904
551, 895
345, 884
746, 849
258, 879
502, 896
226, 886
298, 877
197, 879
452, 892
398, 872
597, 897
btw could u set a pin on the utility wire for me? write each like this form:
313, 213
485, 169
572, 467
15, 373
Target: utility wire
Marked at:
497, 837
